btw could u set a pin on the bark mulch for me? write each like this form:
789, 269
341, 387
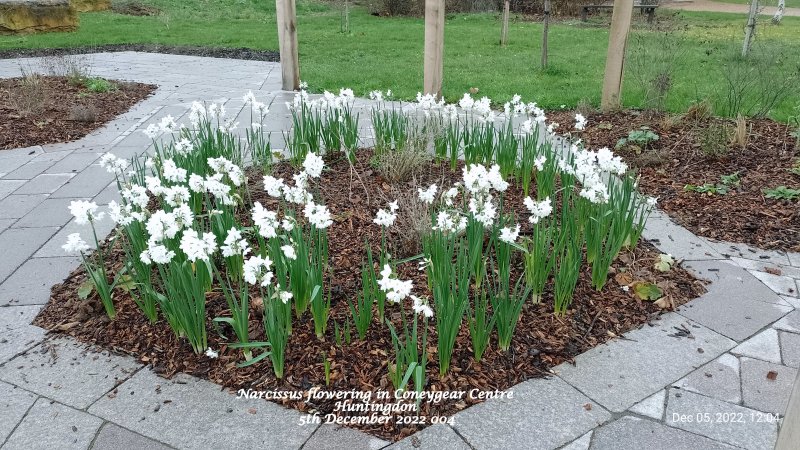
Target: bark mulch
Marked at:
678, 158
542, 340
42, 110
189, 50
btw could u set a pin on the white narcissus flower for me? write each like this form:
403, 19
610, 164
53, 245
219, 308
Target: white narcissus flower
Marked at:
112, 164
483, 210
198, 245
450, 222
234, 244
285, 296
386, 218
197, 183
84, 211
211, 353
172, 172
539, 162
123, 214
273, 186
580, 122
136, 195
289, 252
318, 215
509, 234
162, 225
428, 195
266, 221
183, 146
652, 201
156, 253
75, 244
395, 290
313, 165
176, 195
538, 210
152, 131
257, 270
421, 306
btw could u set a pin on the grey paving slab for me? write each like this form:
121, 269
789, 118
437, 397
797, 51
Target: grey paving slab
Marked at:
764, 346
9, 186
582, 443
734, 304
16, 333
45, 183
333, 437
53, 154
729, 249
15, 206
53, 248
139, 405
790, 348
19, 244
5, 223
52, 212
436, 437
652, 406
720, 379
561, 413
791, 301
794, 259
14, 404
632, 433
50, 425
718, 420
677, 241
29, 170
789, 323
69, 372
767, 266
783, 285
31, 283
626, 371
88, 183
114, 437
111, 192
766, 386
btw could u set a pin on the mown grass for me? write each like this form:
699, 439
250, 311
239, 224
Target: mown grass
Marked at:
381, 53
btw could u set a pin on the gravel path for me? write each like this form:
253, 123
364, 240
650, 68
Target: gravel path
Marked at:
712, 6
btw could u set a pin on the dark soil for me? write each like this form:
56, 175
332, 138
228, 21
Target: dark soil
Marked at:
542, 340
678, 158
213, 52
53, 109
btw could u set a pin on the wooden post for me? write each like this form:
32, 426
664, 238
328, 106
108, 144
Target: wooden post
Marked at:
790, 429
504, 30
750, 29
287, 42
615, 60
434, 47
545, 30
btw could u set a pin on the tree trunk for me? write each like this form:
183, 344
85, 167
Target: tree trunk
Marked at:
615, 59
287, 42
545, 30
434, 47
750, 29
776, 19
504, 30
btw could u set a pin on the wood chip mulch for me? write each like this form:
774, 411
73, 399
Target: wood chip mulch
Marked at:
542, 340
666, 166
57, 110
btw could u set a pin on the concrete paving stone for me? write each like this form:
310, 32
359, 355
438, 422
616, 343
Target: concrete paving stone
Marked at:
52, 153
16, 206
633, 433
9, 186
786, 286
16, 333
794, 302
50, 425
85, 184
760, 391
334, 437
790, 323
6, 223
720, 379
767, 267
790, 348
730, 250
561, 413
582, 443
140, 405
652, 406
52, 248
75, 162
624, 372
114, 437
46, 183
735, 303
764, 346
794, 258
52, 212
435, 437
721, 421
128, 151
111, 192
29, 170
11, 160
677, 241
31, 283
19, 244
14, 403
66, 371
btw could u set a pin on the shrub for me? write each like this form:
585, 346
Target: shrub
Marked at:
715, 139
29, 96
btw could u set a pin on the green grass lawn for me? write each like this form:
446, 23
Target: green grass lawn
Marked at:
381, 53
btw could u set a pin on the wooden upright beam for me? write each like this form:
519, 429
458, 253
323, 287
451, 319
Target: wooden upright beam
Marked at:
504, 29
287, 41
615, 61
434, 47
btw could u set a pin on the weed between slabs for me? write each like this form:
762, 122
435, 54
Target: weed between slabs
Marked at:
295, 275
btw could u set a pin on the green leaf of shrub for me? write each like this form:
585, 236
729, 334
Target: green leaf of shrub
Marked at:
85, 289
647, 291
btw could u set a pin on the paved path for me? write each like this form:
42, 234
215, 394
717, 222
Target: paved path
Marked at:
768, 8
708, 361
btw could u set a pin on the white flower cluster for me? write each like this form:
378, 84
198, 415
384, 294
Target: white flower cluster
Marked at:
327, 102
85, 212
386, 217
420, 306
509, 235
428, 195
250, 99
590, 168
257, 270
580, 122
317, 214
538, 210
396, 290
480, 109
75, 244
112, 164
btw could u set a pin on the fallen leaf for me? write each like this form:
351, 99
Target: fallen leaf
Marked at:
623, 278
772, 270
647, 291
772, 375
587, 406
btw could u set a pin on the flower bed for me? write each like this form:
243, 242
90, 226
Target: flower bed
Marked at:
40, 110
718, 178
348, 273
